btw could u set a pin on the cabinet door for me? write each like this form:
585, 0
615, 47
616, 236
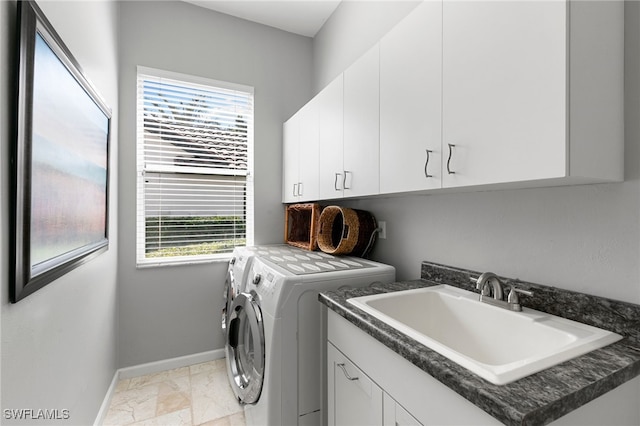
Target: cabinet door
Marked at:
354, 399
362, 125
504, 91
411, 102
330, 112
290, 150
395, 414
308, 169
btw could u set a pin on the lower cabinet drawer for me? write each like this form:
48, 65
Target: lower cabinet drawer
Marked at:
354, 399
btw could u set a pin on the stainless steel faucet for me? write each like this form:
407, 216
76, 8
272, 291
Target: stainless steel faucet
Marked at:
491, 292
483, 282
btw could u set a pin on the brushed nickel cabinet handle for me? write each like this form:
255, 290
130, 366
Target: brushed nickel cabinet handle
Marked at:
344, 370
426, 163
449, 159
344, 181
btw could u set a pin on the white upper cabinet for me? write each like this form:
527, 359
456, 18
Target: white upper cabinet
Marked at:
362, 126
410, 102
504, 91
300, 155
309, 171
514, 95
330, 112
349, 117
464, 94
290, 154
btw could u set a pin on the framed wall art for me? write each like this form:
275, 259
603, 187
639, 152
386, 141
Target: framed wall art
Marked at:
60, 160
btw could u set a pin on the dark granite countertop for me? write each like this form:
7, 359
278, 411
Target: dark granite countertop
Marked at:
537, 399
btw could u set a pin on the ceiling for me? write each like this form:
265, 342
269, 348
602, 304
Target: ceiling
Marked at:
304, 17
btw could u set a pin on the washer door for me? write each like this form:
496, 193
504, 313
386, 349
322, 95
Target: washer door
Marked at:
229, 287
245, 348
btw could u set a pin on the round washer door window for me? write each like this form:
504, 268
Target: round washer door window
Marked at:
245, 348
228, 295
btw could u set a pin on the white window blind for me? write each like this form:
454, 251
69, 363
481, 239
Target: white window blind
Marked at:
195, 192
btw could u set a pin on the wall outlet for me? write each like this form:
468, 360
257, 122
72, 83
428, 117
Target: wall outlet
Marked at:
382, 227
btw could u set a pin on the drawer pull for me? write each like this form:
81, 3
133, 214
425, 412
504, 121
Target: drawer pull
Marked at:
344, 370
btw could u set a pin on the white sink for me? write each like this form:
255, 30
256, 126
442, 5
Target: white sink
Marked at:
497, 344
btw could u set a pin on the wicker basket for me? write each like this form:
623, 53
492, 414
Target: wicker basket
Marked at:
346, 231
301, 225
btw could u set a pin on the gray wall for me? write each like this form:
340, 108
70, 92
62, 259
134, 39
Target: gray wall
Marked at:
59, 344
353, 28
173, 311
583, 238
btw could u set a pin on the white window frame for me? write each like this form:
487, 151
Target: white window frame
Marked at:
141, 259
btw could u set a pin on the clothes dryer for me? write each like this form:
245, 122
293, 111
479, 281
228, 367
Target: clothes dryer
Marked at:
275, 338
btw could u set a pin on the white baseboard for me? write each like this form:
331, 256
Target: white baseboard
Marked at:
150, 368
169, 364
106, 401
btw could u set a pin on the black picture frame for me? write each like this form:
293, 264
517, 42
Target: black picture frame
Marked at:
60, 160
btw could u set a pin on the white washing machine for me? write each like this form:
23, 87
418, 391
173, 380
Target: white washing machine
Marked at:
238, 270
275, 344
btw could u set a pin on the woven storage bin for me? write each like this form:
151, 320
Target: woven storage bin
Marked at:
346, 231
301, 225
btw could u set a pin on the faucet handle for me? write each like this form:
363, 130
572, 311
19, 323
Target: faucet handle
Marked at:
513, 295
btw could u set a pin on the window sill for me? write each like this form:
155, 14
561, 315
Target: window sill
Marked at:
223, 258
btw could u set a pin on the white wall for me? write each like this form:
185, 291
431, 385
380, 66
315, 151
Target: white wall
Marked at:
59, 344
583, 238
173, 311
351, 30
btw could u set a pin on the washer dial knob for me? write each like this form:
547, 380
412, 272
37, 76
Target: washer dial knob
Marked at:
257, 278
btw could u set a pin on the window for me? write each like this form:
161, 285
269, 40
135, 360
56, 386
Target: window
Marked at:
194, 186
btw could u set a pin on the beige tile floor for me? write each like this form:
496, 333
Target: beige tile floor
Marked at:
189, 396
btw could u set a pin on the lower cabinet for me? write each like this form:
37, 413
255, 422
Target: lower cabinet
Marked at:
386, 389
395, 415
369, 384
354, 399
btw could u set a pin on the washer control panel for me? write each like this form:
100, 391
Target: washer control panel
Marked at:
263, 280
